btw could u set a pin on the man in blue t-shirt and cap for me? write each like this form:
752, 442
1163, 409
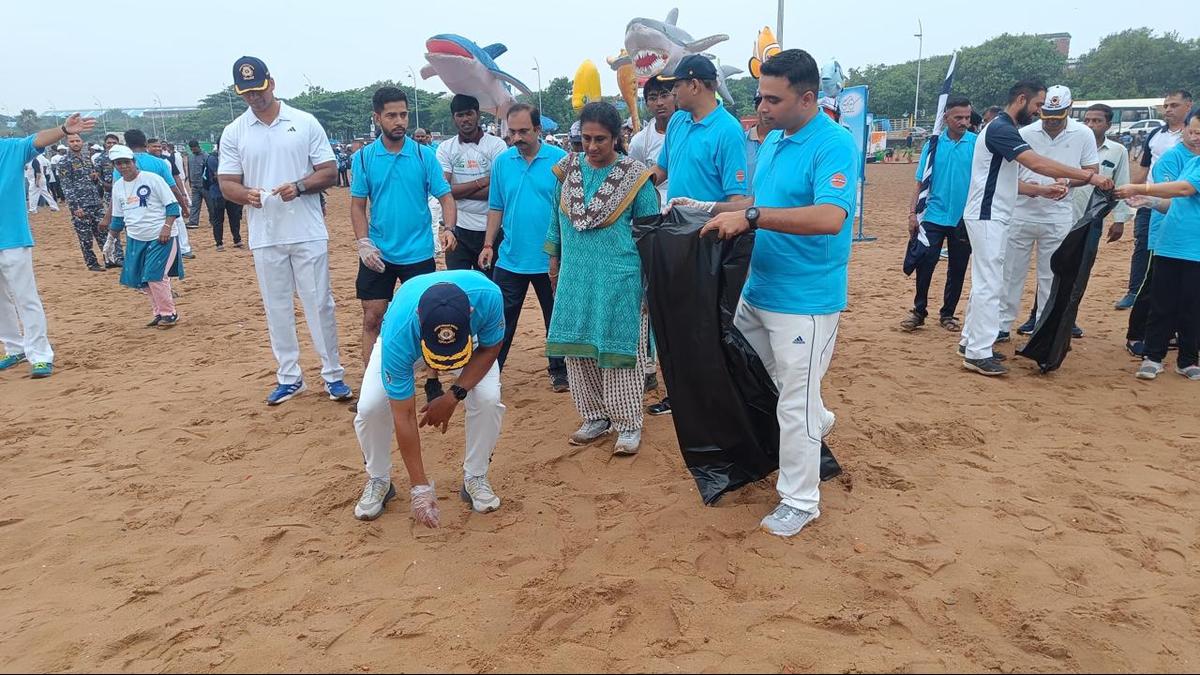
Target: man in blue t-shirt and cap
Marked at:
450, 321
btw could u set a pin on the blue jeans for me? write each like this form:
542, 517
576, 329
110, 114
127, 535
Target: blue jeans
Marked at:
1141, 252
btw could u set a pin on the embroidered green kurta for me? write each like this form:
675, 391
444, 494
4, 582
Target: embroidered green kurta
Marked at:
598, 304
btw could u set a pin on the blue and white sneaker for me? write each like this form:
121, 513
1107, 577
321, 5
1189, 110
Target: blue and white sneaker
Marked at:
11, 360
787, 521
286, 392
339, 391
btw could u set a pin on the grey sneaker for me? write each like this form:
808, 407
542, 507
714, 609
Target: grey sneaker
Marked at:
962, 351
375, 495
628, 442
1191, 372
787, 521
990, 366
1149, 370
477, 491
590, 431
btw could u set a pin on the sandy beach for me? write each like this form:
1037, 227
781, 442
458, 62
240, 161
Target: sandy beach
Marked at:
155, 515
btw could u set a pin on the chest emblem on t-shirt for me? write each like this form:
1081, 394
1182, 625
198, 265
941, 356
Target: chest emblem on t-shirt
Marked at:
838, 180
291, 128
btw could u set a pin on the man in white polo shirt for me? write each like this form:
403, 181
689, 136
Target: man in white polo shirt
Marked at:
466, 161
1043, 214
277, 159
990, 202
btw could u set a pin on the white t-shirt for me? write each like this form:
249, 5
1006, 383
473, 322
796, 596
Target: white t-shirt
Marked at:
1074, 146
143, 205
467, 162
645, 147
993, 190
269, 156
1158, 143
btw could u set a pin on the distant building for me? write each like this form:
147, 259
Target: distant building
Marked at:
1061, 42
165, 112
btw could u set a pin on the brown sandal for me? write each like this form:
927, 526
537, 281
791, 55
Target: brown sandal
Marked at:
913, 322
951, 323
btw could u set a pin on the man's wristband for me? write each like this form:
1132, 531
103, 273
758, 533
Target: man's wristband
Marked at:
63, 128
487, 245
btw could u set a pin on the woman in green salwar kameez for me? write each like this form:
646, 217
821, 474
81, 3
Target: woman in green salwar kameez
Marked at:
597, 323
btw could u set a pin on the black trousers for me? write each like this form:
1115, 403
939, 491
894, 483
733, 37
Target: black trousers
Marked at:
1140, 312
343, 178
960, 253
514, 287
217, 209
1174, 303
465, 255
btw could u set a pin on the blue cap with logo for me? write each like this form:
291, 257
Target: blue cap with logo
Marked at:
693, 67
444, 313
250, 74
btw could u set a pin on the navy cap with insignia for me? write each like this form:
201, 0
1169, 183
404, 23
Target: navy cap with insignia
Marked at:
693, 67
250, 74
444, 313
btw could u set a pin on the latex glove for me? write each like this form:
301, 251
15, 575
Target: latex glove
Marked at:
707, 207
110, 246
423, 504
370, 256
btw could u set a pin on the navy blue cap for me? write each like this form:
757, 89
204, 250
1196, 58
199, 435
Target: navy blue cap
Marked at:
693, 67
250, 74
444, 312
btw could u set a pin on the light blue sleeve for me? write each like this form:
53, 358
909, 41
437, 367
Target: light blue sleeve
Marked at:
358, 176
117, 224
646, 202
173, 209
163, 169
28, 149
397, 370
438, 187
731, 157
490, 308
553, 235
835, 173
664, 155
496, 190
921, 164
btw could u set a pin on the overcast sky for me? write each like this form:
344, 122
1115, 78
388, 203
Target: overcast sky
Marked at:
73, 53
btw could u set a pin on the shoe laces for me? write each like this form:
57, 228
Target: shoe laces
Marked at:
478, 486
375, 490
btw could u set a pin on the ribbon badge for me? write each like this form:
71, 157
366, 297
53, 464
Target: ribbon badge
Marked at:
143, 195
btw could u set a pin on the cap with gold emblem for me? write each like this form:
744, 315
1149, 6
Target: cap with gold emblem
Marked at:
444, 312
250, 74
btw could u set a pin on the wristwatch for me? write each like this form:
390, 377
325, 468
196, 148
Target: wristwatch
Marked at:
458, 392
752, 217
299, 187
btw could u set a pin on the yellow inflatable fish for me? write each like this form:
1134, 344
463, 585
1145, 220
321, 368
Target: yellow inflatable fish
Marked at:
627, 83
764, 48
586, 87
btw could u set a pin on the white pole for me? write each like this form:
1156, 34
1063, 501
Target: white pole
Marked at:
539, 72
779, 25
920, 35
416, 103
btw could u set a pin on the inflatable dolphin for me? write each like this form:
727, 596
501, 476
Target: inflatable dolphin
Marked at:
467, 68
655, 47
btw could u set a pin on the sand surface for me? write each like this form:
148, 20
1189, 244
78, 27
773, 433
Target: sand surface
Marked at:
156, 515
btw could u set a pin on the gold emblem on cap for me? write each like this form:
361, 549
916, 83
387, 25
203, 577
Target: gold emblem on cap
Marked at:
446, 334
247, 71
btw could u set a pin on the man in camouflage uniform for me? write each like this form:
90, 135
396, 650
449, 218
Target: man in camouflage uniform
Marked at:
79, 179
104, 169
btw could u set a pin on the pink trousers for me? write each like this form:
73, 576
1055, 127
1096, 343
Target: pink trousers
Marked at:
161, 300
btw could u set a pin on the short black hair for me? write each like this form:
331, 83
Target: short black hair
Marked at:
112, 136
386, 95
135, 138
606, 115
798, 66
957, 102
654, 84
1108, 112
151, 140
1027, 88
1181, 93
976, 119
535, 116
463, 103
994, 110
193, 143
1195, 112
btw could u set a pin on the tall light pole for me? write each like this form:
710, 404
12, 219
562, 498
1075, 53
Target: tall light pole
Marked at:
779, 25
920, 35
229, 97
416, 103
538, 68
103, 121
158, 102
54, 110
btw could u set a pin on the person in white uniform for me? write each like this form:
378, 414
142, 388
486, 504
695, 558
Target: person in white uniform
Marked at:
1043, 214
277, 159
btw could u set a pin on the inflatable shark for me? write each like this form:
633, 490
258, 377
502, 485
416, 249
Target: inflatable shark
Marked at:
467, 68
655, 47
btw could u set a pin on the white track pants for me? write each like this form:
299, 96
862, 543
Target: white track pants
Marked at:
1023, 238
20, 307
376, 429
796, 350
283, 272
988, 241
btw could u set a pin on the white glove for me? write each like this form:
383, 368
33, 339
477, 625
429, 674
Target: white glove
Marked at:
370, 255
110, 246
707, 207
423, 504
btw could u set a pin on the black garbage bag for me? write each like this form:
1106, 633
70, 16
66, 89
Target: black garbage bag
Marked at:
722, 399
1072, 267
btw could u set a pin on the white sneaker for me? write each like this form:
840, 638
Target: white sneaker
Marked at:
628, 442
787, 521
827, 423
375, 495
1191, 372
590, 431
478, 491
1149, 370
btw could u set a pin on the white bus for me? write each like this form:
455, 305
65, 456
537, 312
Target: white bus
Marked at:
1127, 112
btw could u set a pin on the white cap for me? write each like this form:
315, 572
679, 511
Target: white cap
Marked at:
1058, 99
96, 147
61, 147
120, 152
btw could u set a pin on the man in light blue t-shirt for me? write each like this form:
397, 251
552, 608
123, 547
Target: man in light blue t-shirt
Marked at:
804, 199
521, 202
20, 304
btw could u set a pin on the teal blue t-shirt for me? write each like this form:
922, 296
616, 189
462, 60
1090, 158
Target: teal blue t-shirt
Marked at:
524, 192
705, 160
401, 331
147, 162
1168, 168
951, 178
1179, 231
398, 186
796, 273
15, 153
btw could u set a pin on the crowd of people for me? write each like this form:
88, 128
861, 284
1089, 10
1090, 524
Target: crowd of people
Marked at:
514, 212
